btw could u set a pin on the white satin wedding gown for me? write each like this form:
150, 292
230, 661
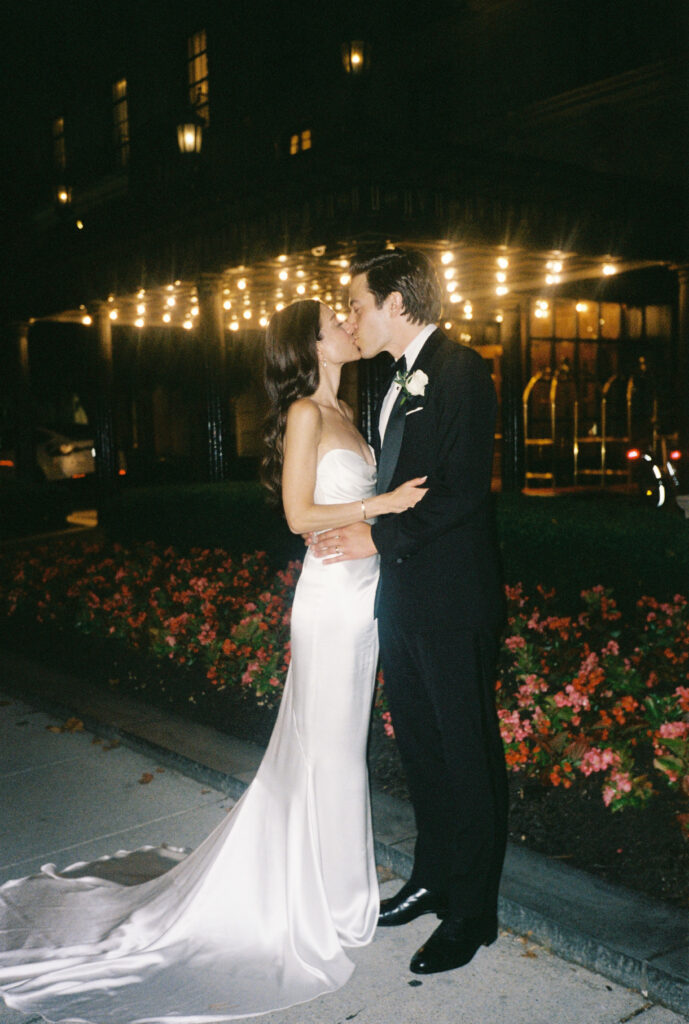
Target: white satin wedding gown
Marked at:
258, 917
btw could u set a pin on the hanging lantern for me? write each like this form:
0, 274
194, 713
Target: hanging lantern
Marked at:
355, 57
190, 133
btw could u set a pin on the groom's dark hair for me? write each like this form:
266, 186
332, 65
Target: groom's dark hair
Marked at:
408, 272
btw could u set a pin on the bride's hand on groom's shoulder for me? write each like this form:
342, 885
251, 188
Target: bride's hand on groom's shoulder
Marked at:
343, 544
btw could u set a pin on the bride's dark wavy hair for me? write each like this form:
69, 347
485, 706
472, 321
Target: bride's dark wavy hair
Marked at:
290, 372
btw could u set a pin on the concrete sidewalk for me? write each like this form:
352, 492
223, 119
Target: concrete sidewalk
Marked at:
154, 777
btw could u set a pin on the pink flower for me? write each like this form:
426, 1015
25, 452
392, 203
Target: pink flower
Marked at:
674, 730
595, 760
515, 643
170, 640
612, 647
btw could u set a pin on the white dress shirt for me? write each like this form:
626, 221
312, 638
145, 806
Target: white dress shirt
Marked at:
410, 353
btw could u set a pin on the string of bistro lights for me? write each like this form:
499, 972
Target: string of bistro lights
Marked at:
477, 281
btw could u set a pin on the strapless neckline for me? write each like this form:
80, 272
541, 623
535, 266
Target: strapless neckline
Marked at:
357, 455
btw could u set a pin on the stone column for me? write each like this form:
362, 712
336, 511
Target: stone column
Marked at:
104, 430
512, 388
212, 342
682, 376
372, 376
24, 450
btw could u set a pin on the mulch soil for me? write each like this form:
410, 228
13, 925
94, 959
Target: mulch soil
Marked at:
642, 849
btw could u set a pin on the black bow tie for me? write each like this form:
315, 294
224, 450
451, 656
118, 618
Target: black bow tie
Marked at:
399, 366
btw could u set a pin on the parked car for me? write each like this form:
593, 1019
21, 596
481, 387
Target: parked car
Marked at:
660, 472
65, 454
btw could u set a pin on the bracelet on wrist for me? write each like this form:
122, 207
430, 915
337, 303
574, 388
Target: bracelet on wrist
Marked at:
363, 510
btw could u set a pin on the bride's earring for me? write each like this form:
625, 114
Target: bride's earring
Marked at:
323, 363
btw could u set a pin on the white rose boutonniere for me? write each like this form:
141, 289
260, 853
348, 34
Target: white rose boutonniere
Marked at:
412, 383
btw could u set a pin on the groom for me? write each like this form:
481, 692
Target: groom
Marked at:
439, 604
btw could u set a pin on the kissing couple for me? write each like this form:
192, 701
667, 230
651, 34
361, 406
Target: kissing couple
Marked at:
402, 561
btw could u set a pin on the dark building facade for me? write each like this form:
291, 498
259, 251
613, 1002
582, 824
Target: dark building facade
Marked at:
537, 151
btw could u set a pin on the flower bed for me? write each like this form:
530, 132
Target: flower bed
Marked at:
579, 697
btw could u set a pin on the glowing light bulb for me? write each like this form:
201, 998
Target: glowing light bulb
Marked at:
451, 286
344, 264
113, 314
283, 275
282, 257
501, 276
502, 289
87, 320
140, 294
139, 322
581, 307
609, 269
241, 283
279, 306
170, 301
141, 308
227, 304
447, 257
554, 265
166, 318
449, 273
345, 278
194, 310
552, 278
301, 273
503, 262
455, 297
187, 325
301, 289
247, 314
498, 318
234, 326
448, 325
263, 321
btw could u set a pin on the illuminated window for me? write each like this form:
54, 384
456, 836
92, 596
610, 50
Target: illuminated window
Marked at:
120, 117
299, 142
59, 150
197, 67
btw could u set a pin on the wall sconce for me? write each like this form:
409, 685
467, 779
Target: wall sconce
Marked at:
355, 57
190, 133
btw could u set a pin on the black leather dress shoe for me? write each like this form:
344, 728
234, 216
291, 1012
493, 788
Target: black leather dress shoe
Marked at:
410, 902
453, 944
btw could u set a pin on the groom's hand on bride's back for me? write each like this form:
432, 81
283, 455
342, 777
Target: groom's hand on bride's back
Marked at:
342, 544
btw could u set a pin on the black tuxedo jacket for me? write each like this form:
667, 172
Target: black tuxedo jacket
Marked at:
439, 561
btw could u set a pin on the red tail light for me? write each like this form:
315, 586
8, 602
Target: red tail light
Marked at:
675, 454
633, 453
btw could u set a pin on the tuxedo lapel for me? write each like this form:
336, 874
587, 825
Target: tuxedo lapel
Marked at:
392, 443
394, 432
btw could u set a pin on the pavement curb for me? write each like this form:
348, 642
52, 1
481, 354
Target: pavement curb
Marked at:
570, 926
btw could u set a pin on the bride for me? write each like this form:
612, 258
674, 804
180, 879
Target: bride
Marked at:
259, 916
